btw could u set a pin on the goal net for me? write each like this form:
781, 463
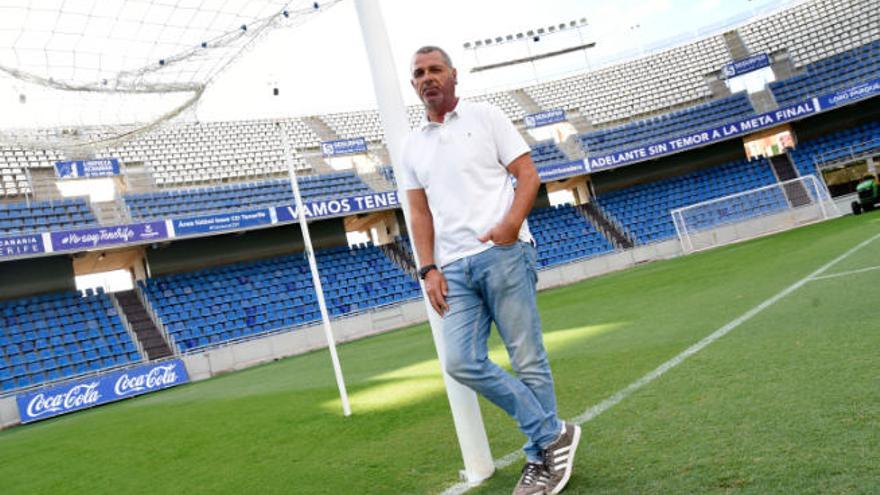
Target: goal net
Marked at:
753, 213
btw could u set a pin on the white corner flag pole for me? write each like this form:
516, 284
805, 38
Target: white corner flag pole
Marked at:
313, 266
472, 439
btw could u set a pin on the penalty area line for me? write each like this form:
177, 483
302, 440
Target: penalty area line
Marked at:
844, 274
594, 411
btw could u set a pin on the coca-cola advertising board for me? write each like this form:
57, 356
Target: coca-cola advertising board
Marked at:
81, 394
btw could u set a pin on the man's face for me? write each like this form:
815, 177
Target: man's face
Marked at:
433, 80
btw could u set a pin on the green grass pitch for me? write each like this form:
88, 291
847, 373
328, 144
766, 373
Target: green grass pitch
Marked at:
788, 402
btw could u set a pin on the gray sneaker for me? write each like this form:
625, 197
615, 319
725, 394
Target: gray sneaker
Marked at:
533, 481
559, 457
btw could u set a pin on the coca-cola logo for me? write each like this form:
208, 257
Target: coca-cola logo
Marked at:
157, 377
81, 395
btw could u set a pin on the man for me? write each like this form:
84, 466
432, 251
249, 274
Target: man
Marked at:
479, 261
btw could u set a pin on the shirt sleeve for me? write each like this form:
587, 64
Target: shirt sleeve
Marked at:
509, 142
408, 179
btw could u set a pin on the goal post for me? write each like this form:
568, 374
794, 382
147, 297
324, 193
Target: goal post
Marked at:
753, 213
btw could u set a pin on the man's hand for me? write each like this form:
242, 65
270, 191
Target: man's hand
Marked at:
435, 286
502, 234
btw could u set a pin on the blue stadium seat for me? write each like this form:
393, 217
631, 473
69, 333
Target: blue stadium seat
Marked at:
668, 125
828, 148
45, 335
243, 196
41, 216
563, 235
839, 71
268, 295
644, 210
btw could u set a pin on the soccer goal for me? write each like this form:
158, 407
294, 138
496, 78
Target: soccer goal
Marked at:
753, 213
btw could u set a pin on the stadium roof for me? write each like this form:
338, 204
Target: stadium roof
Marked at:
318, 65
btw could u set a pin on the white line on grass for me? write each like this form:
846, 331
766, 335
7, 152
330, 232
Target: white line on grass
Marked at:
594, 411
844, 274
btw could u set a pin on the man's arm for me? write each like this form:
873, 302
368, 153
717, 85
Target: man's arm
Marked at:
527, 185
422, 223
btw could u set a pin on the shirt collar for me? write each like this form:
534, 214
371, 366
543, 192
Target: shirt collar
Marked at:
425, 124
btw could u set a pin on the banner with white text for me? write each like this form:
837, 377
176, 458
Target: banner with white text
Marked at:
93, 391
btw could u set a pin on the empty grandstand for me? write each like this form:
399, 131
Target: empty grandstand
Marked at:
233, 290
844, 69
243, 195
185, 261
59, 336
645, 209
841, 146
229, 303
43, 216
564, 235
679, 122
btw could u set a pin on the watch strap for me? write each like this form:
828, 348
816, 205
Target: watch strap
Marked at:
423, 271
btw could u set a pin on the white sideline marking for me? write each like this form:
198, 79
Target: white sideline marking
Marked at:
844, 274
594, 411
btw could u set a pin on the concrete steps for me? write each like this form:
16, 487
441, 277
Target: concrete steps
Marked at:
110, 213
735, 45
785, 170
43, 184
139, 178
613, 232
143, 326
525, 101
319, 127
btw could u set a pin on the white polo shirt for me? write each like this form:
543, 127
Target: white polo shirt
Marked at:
462, 166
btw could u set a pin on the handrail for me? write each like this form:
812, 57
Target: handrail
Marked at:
160, 325
818, 158
128, 328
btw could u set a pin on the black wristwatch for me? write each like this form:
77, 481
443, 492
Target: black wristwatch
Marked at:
423, 271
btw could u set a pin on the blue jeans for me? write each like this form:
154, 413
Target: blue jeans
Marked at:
499, 285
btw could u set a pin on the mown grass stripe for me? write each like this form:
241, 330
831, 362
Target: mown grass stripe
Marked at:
594, 411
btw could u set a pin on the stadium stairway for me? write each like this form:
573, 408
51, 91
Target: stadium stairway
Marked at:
398, 252
735, 45
524, 132
142, 324
784, 169
320, 128
525, 101
580, 121
572, 148
43, 183
139, 179
763, 101
315, 161
377, 181
111, 212
611, 231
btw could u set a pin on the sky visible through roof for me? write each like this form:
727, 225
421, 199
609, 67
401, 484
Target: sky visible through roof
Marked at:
320, 65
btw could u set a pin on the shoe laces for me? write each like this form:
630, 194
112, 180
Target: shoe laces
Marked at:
532, 473
547, 461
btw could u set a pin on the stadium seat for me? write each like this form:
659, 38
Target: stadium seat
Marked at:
216, 305
38, 216
644, 210
28, 357
242, 196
